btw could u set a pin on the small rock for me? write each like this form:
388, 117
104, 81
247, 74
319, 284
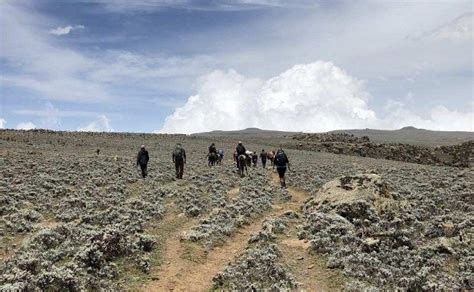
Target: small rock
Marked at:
371, 241
310, 267
449, 229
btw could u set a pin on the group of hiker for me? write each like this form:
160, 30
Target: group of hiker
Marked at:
242, 157
214, 157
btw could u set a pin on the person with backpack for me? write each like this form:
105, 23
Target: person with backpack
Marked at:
212, 155
281, 162
142, 160
263, 157
179, 159
254, 159
213, 149
240, 150
220, 156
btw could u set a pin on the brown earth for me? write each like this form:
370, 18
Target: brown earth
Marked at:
187, 266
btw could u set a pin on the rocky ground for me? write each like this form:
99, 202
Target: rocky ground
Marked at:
458, 155
76, 215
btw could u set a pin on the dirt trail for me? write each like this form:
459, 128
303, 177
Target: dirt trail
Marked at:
308, 269
184, 272
186, 266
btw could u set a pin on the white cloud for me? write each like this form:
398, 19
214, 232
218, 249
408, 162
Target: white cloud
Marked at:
25, 126
315, 97
65, 30
312, 97
2, 123
439, 118
101, 124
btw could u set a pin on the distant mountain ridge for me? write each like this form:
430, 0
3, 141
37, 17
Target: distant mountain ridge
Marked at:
246, 132
412, 135
408, 135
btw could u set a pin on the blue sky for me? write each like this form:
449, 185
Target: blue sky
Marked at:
187, 66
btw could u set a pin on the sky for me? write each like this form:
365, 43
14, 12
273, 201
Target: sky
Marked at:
187, 66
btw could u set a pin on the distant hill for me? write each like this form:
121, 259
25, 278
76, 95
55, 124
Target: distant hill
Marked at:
249, 132
408, 135
412, 135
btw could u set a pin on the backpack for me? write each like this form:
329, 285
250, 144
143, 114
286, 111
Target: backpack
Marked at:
280, 159
178, 152
240, 149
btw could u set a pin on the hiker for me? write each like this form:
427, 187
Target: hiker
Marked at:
248, 158
142, 160
281, 162
263, 157
179, 159
271, 156
212, 155
239, 150
254, 159
212, 148
220, 156
242, 166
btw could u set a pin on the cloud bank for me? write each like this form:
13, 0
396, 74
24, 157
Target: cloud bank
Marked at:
25, 126
313, 97
2, 123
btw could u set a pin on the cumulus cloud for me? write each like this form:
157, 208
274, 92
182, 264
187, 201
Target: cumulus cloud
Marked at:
439, 118
2, 123
314, 97
25, 126
101, 124
65, 30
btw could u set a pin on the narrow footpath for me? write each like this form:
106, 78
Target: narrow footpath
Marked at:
186, 266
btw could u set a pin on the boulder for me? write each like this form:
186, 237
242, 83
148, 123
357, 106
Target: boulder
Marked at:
353, 197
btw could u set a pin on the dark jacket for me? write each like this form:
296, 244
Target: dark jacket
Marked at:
284, 160
254, 157
179, 158
212, 149
142, 157
240, 150
263, 156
